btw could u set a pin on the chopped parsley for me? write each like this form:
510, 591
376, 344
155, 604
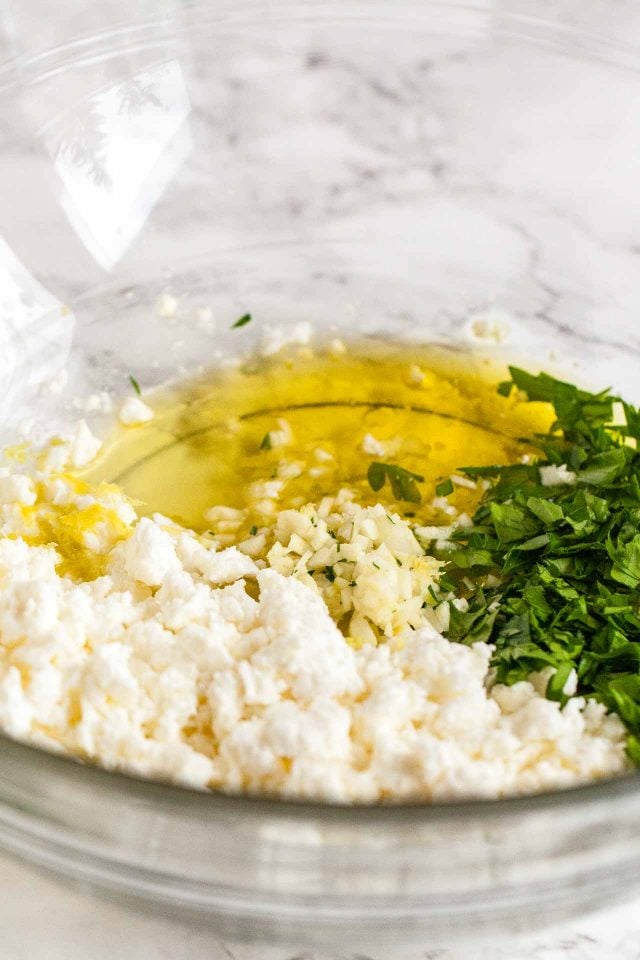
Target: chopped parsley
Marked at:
266, 442
403, 482
444, 488
253, 531
134, 383
242, 321
556, 568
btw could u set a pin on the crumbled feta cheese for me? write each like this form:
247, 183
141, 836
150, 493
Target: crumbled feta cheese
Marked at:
373, 447
465, 482
433, 533
83, 446
204, 317
493, 325
95, 403
134, 411
16, 488
442, 504
571, 684
149, 556
416, 375
283, 436
167, 306
552, 476
158, 656
275, 338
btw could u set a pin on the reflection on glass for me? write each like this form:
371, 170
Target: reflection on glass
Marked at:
35, 330
116, 153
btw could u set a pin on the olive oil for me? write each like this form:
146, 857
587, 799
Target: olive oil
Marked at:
314, 422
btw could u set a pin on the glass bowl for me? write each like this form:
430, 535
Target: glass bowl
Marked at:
429, 172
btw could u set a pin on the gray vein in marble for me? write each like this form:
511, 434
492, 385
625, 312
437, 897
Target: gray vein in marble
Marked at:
553, 296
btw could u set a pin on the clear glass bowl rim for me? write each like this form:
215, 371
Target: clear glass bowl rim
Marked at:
146, 32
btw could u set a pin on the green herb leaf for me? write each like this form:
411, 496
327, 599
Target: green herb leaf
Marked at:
242, 321
444, 488
633, 749
604, 468
134, 383
403, 482
473, 625
626, 561
545, 510
513, 522
564, 560
535, 543
265, 443
555, 687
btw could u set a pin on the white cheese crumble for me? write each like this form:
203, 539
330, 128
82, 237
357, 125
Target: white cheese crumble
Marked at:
416, 375
492, 325
380, 448
134, 411
16, 489
74, 451
372, 446
465, 482
167, 306
552, 476
83, 446
179, 660
277, 337
95, 403
204, 318
283, 436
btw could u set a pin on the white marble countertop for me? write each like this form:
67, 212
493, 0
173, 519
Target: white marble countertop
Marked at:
41, 919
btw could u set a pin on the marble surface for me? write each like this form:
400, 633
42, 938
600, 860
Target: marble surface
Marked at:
530, 215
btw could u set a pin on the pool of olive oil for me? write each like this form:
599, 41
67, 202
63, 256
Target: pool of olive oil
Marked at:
210, 440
